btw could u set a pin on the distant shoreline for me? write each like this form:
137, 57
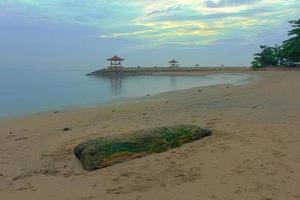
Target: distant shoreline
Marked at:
131, 71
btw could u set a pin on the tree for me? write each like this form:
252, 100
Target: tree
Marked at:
291, 47
289, 52
269, 56
256, 63
278, 50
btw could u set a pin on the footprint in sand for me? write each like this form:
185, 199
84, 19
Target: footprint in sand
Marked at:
88, 198
138, 197
211, 124
278, 154
223, 146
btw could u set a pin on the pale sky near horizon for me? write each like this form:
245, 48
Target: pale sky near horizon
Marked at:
83, 33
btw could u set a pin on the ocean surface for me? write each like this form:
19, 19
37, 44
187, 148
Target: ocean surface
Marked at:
24, 91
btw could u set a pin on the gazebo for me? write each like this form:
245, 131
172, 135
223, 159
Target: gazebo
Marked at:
115, 62
173, 63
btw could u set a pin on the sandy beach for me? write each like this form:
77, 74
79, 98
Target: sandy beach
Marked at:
254, 152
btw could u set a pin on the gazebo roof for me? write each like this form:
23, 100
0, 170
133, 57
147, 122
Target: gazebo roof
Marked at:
115, 58
173, 61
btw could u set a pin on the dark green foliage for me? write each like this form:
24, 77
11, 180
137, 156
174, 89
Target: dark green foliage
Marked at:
267, 57
280, 55
102, 152
256, 64
291, 47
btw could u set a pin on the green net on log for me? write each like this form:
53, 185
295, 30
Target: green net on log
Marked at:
103, 152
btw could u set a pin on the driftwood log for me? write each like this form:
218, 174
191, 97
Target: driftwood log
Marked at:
106, 151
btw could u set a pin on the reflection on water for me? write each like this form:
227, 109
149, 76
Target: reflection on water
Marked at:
116, 84
49, 90
173, 81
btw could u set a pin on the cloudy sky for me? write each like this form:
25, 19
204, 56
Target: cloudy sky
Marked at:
83, 33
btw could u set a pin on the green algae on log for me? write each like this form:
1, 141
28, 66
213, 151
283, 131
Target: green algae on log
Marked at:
103, 152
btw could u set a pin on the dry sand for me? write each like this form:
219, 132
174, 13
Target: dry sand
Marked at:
254, 152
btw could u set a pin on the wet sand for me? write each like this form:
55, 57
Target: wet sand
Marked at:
254, 152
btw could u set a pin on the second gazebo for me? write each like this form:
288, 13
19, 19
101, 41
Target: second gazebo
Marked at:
173, 63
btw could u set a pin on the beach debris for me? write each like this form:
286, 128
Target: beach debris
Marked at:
199, 90
22, 138
66, 129
55, 112
106, 151
148, 95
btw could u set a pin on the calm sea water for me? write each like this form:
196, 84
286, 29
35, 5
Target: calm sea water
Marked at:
33, 90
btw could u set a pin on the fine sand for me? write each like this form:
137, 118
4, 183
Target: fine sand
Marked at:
253, 154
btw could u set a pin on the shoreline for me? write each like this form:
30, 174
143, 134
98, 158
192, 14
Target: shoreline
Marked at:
252, 154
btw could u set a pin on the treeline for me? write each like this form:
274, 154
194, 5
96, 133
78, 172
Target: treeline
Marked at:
287, 54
